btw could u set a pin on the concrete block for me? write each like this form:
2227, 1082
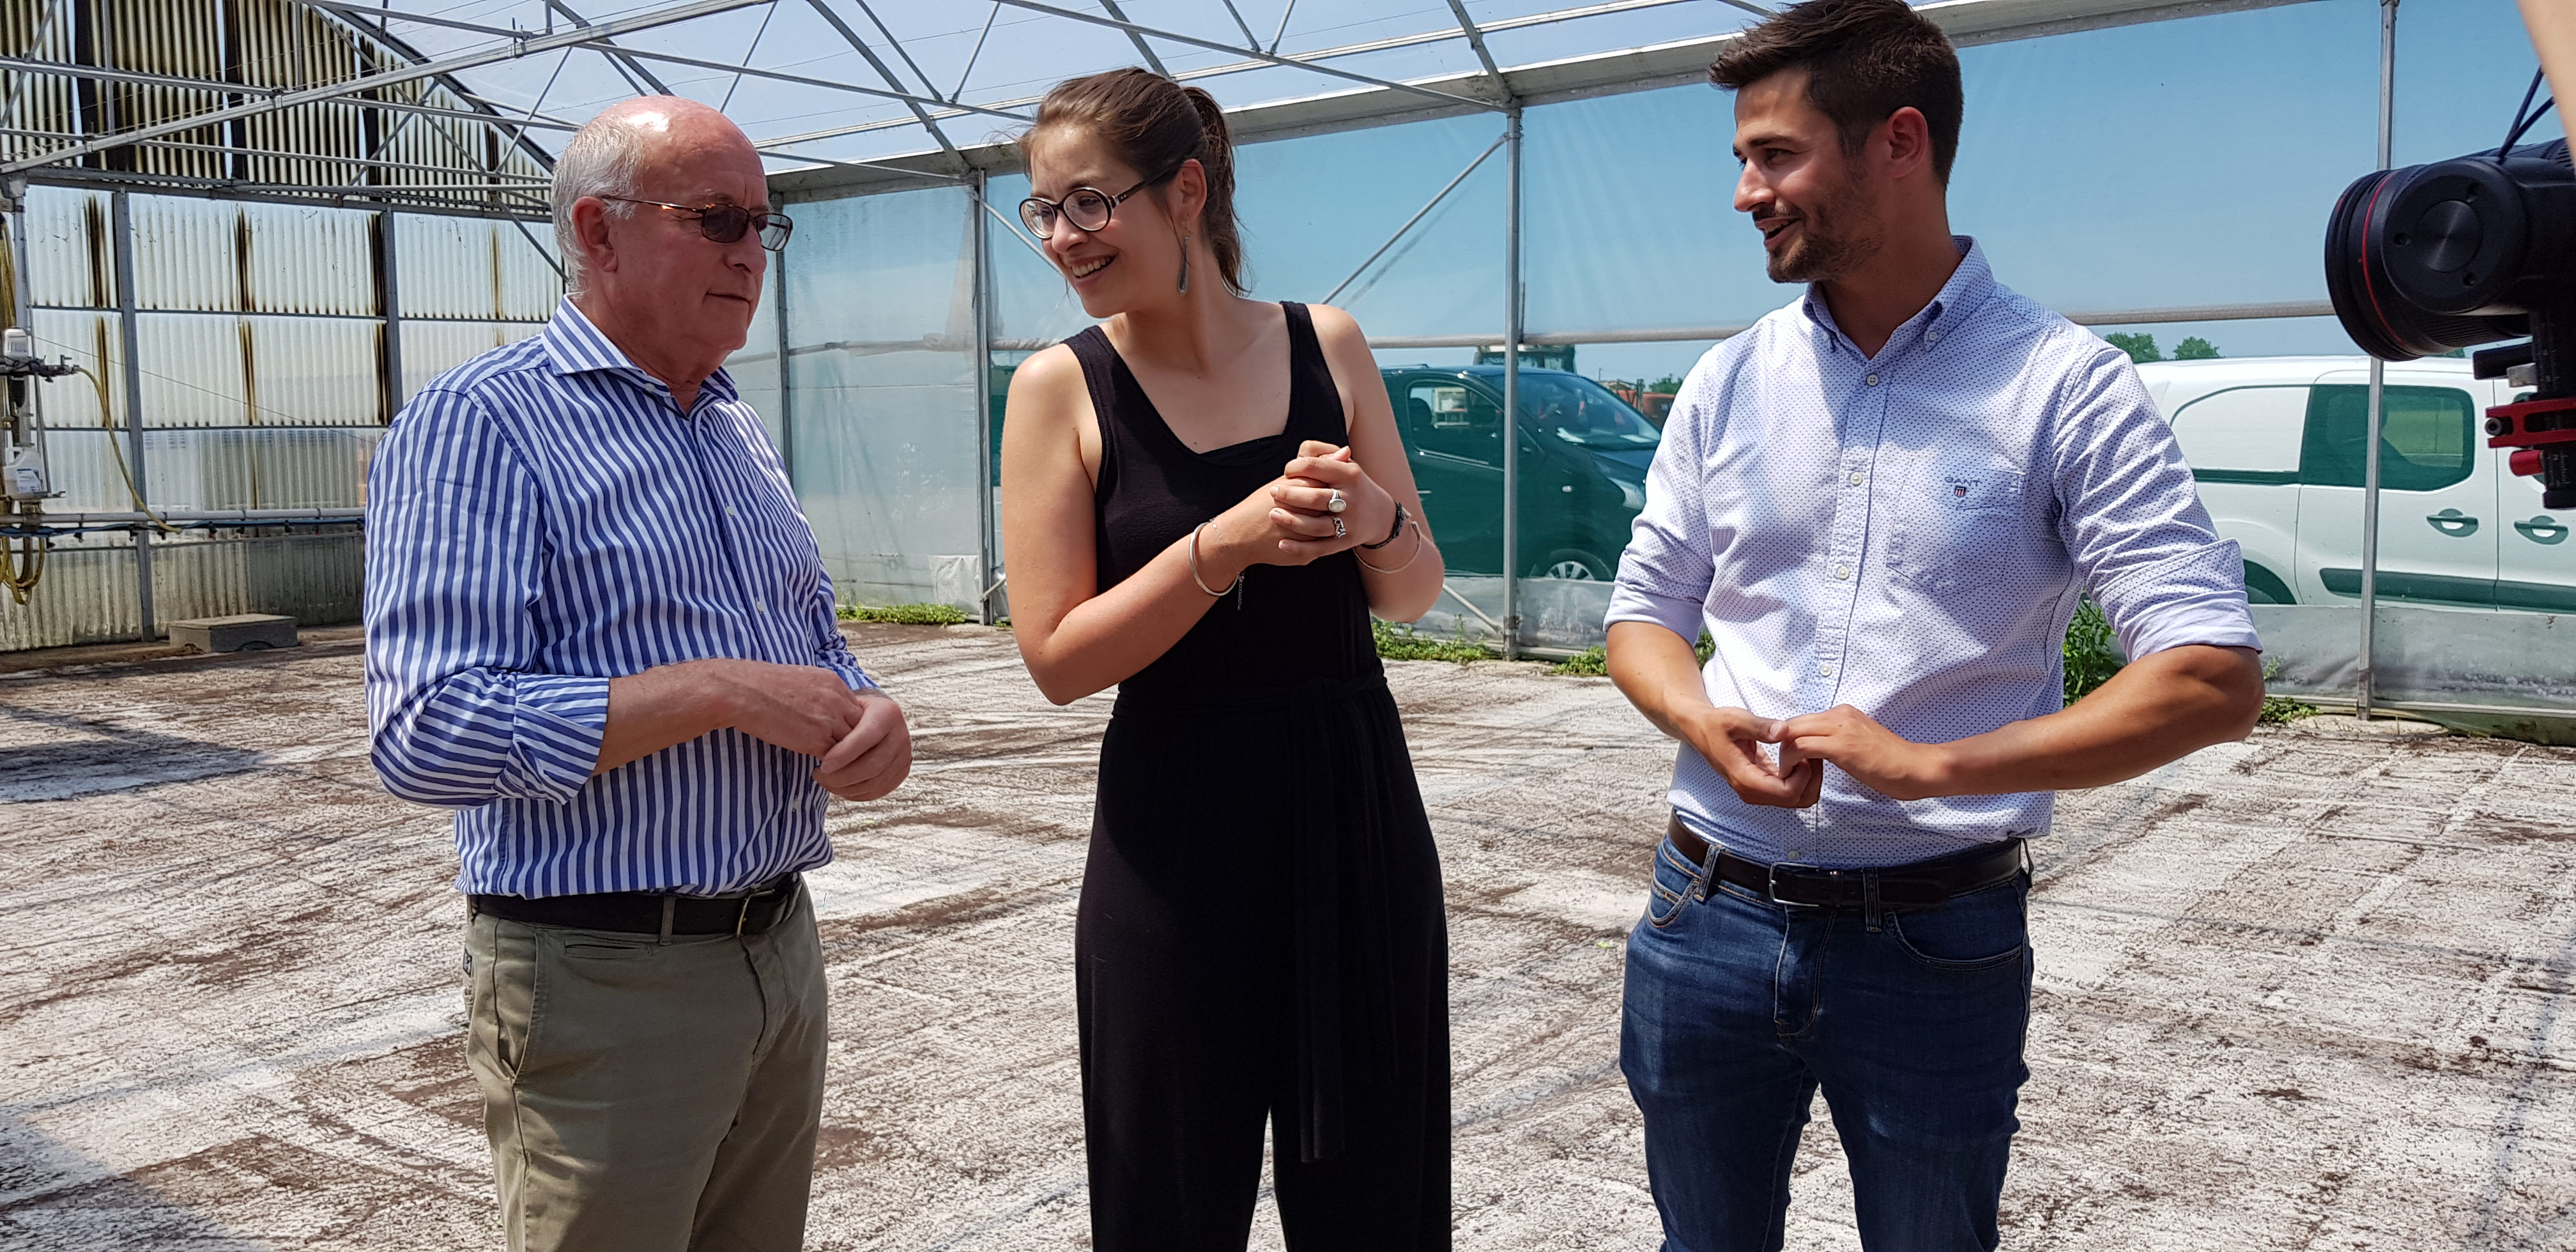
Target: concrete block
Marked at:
239, 632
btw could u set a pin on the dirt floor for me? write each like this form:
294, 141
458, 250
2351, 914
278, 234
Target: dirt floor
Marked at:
2307, 991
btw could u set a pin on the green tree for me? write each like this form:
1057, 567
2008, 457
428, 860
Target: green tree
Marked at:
1667, 385
2141, 347
2195, 349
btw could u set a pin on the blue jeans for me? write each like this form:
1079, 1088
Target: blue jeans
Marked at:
1737, 1010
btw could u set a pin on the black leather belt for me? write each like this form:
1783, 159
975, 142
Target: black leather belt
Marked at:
651, 913
1917, 885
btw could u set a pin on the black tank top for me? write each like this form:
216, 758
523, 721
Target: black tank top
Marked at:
1288, 625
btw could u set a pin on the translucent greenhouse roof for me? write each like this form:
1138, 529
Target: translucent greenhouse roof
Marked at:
819, 79
842, 83
457, 106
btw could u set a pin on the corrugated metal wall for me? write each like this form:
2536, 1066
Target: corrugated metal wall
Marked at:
259, 44
261, 355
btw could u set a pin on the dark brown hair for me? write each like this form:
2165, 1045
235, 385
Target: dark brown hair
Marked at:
1153, 124
1865, 59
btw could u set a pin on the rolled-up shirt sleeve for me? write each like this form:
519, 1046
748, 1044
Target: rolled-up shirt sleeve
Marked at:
831, 647
458, 712
1664, 574
2131, 518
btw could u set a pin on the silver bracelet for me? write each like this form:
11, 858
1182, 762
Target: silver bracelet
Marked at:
1194, 567
1416, 528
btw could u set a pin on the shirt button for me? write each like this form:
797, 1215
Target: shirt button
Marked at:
1873, 380
1842, 571
760, 606
1933, 336
730, 513
1826, 669
1858, 478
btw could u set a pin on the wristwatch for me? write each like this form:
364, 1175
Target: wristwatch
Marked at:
1392, 532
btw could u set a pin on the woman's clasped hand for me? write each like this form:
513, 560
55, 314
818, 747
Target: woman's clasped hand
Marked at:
1303, 499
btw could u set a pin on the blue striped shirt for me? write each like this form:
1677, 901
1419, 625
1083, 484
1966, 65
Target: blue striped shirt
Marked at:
1908, 534
542, 519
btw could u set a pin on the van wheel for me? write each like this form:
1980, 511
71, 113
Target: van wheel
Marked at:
1573, 565
2262, 586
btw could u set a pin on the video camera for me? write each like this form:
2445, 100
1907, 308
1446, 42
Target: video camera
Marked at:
2479, 248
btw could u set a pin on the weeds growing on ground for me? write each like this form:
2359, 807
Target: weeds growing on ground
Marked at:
906, 614
1594, 662
1404, 643
2282, 710
2092, 653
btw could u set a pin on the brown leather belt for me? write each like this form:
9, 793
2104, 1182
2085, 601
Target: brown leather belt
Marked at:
651, 913
1918, 885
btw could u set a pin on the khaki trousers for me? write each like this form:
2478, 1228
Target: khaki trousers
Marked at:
642, 1095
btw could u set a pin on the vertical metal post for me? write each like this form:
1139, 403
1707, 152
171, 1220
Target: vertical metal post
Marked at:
1512, 303
121, 232
786, 375
984, 502
2366, 691
22, 295
389, 274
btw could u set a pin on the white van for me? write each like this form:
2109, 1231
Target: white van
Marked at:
2276, 443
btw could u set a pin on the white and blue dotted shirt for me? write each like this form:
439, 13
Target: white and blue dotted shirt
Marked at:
1908, 534
544, 518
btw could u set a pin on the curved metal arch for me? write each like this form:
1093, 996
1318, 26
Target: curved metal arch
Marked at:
454, 86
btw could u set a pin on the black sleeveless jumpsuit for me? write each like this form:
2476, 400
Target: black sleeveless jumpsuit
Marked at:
1260, 936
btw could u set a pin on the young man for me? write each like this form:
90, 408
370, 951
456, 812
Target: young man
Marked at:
597, 626
1883, 502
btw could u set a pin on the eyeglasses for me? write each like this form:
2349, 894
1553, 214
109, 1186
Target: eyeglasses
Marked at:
1086, 209
725, 223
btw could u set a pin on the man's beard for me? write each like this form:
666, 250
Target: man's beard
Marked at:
1826, 249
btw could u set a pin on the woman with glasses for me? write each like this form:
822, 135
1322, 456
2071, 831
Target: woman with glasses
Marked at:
1205, 498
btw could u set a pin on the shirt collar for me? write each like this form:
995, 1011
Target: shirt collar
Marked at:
1957, 300
575, 345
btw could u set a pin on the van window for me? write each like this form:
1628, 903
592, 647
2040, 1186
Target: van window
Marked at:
2428, 440
2243, 434
1454, 420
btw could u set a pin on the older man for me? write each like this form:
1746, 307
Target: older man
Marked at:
599, 628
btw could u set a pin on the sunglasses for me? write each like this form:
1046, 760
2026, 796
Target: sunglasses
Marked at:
726, 223
1086, 209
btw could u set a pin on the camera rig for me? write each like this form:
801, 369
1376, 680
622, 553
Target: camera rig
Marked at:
2429, 258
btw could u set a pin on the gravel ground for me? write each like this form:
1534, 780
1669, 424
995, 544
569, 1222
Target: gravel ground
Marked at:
2306, 991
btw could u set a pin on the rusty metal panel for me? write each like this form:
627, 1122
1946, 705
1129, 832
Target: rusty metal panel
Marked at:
194, 370
258, 469
71, 261
42, 117
433, 348
458, 267
87, 596
91, 340
201, 371
315, 578
316, 371
302, 259
187, 254
85, 465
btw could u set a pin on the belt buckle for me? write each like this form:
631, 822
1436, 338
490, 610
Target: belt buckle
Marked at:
1771, 888
742, 917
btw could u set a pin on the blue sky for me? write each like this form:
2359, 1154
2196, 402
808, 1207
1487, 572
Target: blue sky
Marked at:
2180, 163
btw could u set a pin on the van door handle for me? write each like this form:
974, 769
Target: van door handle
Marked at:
2542, 529
2453, 522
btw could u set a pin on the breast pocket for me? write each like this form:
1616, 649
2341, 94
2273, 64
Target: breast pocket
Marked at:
1956, 524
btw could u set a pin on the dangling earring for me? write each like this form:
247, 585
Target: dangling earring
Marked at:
1185, 265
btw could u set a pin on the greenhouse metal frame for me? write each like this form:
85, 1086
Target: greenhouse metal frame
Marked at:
188, 127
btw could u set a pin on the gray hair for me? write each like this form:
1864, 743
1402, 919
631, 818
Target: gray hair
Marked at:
601, 160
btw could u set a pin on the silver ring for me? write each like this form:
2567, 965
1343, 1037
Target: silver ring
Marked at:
1337, 503
1339, 531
